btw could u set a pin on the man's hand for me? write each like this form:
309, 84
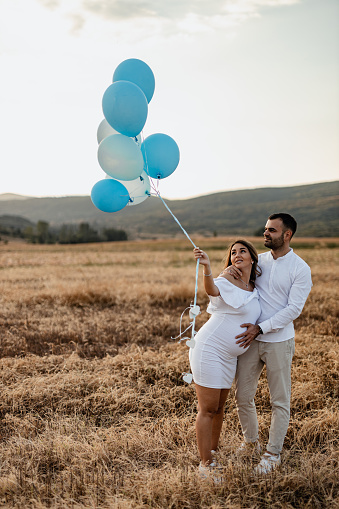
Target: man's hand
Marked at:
246, 338
232, 271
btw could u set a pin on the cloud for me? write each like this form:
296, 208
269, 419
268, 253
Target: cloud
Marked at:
77, 22
178, 9
50, 4
175, 15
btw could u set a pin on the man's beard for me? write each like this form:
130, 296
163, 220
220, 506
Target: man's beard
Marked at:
274, 243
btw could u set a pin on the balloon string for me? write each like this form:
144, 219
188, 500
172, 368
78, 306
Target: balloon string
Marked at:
195, 296
196, 287
157, 192
182, 332
175, 219
197, 266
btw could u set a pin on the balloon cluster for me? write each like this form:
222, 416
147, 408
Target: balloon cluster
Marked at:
128, 160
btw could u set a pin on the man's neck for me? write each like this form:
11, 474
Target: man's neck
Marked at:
281, 251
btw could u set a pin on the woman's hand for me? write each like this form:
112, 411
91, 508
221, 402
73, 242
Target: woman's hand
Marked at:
210, 286
201, 256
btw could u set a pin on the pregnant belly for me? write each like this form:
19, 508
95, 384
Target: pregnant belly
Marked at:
219, 334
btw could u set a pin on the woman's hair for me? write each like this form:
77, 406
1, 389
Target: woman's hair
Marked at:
256, 271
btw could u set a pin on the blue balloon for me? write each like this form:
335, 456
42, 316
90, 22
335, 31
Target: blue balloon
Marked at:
109, 195
137, 72
125, 108
161, 155
120, 157
139, 189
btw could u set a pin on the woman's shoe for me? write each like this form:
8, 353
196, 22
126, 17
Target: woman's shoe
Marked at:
211, 471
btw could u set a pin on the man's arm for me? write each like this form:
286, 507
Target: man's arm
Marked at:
299, 292
297, 297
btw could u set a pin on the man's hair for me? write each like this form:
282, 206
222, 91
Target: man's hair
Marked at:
288, 221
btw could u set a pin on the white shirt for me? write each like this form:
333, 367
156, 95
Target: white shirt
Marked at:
283, 289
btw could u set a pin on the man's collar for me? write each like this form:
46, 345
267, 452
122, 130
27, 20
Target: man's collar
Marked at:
283, 256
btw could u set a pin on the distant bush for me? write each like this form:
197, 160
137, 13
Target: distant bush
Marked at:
10, 231
111, 234
259, 232
72, 234
84, 233
43, 233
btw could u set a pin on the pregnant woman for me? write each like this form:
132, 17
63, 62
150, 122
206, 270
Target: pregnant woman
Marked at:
214, 358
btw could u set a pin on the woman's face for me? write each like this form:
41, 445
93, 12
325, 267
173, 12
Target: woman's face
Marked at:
240, 256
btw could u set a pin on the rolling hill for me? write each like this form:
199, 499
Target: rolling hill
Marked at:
242, 212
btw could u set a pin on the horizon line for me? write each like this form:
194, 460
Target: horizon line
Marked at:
22, 196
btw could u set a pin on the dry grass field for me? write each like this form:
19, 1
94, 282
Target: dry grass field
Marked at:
94, 411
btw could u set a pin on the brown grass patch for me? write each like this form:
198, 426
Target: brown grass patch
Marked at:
94, 412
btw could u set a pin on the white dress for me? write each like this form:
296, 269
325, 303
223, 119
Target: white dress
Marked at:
214, 358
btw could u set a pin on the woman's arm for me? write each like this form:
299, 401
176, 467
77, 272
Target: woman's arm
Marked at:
210, 287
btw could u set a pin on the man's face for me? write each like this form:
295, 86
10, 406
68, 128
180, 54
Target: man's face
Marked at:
274, 234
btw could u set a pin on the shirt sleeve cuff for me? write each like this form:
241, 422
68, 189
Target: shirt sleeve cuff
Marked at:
265, 326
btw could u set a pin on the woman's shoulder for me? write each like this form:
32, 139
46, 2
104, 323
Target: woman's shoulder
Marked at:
234, 282
228, 277
231, 295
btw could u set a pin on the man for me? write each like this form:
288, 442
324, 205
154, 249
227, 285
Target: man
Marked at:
283, 288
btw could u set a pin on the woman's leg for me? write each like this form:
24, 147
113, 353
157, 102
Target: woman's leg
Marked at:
218, 419
208, 405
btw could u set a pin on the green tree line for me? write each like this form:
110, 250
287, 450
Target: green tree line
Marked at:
43, 233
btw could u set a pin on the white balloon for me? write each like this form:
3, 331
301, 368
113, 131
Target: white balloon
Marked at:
105, 130
120, 157
138, 189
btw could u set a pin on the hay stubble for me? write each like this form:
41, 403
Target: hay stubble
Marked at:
94, 412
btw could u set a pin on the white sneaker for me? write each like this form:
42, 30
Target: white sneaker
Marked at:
211, 471
249, 448
268, 463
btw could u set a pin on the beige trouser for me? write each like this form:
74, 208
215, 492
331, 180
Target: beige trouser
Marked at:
278, 360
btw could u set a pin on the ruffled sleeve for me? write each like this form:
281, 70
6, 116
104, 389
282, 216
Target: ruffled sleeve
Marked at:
230, 295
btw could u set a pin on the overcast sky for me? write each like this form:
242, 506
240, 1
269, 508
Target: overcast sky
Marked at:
249, 89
